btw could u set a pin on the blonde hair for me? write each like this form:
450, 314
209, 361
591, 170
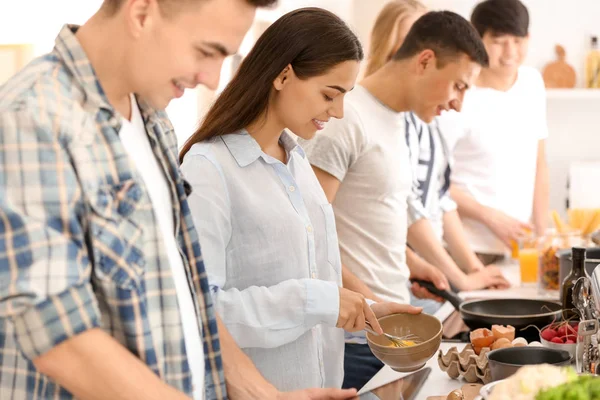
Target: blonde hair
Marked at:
384, 36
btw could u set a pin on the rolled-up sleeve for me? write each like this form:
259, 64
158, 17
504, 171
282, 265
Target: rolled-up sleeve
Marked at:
415, 208
257, 316
447, 204
45, 288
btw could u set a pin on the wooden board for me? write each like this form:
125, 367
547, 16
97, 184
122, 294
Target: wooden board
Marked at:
470, 392
559, 74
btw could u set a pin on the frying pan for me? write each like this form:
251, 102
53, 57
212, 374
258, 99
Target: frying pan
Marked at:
519, 313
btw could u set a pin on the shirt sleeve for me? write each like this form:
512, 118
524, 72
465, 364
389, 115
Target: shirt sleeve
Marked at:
256, 316
45, 288
415, 208
447, 204
337, 147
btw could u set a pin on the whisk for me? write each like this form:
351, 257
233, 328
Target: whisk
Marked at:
398, 341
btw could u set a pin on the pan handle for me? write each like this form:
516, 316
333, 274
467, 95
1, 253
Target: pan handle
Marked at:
450, 296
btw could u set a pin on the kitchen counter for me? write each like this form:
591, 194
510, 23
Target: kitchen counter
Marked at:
438, 383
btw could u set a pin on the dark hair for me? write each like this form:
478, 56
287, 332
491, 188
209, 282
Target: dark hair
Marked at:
447, 34
501, 17
112, 6
311, 40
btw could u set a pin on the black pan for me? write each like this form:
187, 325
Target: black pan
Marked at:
519, 313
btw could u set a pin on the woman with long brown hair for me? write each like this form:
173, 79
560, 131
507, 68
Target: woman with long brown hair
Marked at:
267, 231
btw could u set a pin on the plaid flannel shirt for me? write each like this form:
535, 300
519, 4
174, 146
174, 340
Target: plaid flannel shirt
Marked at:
80, 247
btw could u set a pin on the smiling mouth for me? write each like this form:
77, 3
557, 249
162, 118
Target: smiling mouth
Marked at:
319, 124
179, 88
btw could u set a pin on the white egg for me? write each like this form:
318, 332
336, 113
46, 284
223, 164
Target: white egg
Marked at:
519, 342
535, 344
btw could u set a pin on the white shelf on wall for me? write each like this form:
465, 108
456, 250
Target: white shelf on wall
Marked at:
575, 94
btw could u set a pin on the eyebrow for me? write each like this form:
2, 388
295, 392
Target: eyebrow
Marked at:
341, 89
219, 48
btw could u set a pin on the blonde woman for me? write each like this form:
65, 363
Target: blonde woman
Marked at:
390, 29
432, 212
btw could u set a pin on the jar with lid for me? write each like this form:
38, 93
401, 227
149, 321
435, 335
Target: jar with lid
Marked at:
550, 244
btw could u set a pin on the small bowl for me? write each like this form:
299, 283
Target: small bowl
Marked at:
505, 362
407, 359
571, 348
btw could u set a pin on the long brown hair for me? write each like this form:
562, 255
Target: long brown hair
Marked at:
311, 40
384, 36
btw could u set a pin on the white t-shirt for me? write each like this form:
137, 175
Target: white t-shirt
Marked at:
367, 152
135, 141
494, 142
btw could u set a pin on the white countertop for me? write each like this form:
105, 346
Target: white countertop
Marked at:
438, 383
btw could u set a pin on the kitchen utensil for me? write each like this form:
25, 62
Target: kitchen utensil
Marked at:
519, 313
582, 299
559, 74
399, 341
505, 362
407, 359
586, 357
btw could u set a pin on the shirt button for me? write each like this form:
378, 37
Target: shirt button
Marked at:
309, 228
292, 189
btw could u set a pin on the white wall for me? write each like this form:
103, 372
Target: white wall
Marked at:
38, 22
574, 123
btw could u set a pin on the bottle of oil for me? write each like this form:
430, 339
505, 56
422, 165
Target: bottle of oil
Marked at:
592, 65
578, 257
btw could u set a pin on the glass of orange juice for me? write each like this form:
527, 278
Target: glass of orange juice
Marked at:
529, 260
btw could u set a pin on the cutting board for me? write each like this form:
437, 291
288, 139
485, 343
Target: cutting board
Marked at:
559, 74
470, 392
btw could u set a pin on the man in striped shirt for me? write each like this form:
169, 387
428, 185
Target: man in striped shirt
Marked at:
432, 214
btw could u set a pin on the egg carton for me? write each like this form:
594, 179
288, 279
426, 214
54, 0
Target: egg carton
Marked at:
466, 364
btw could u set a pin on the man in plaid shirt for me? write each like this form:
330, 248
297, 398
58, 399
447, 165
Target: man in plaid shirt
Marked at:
98, 299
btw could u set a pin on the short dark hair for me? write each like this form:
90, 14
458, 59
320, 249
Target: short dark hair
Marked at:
447, 34
112, 6
501, 17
